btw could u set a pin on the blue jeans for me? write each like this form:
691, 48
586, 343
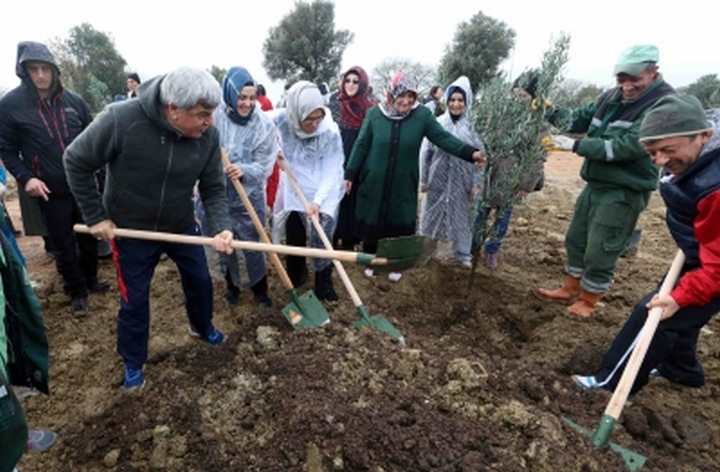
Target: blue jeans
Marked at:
135, 261
498, 229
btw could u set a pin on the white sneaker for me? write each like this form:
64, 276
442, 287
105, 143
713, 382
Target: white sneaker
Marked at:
394, 276
369, 273
586, 382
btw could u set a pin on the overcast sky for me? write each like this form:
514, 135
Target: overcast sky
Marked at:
157, 36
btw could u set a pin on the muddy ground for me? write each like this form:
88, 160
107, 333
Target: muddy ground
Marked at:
481, 385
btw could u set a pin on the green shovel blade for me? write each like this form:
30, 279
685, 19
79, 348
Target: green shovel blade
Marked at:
305, 311
405, 252
378, 322
633, 460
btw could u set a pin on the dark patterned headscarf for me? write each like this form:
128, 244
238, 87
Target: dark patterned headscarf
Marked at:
353, 109
398, 86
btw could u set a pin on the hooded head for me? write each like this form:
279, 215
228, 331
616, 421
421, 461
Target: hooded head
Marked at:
460, 86
37, 54
239, 111
305, 109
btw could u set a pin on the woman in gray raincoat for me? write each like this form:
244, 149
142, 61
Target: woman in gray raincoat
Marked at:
313, 149
250, 139
450, 182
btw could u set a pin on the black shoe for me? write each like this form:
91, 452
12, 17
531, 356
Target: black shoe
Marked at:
79, 306
324, 286
260, 290
232, 295
98, 287
263, 300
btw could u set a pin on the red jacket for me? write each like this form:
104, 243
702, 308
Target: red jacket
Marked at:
699, 286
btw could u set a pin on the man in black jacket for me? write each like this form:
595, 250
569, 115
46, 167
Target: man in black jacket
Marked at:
38, 121
156, 148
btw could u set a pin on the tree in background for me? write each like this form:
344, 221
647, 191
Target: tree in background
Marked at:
90, 65
706, 89
217, 72
305, 44
420, 75
573, 93
477, 49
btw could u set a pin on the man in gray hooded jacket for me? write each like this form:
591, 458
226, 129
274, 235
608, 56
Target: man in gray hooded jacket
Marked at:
156, 149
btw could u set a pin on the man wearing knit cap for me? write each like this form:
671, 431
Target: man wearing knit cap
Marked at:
676, 135
619, 176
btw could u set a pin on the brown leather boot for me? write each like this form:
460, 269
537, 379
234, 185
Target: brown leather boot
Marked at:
585, 304
564, 294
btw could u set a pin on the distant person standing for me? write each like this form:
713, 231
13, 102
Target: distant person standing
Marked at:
434, 100
272, 181
262, 98
38, 120
348, 106
133, 83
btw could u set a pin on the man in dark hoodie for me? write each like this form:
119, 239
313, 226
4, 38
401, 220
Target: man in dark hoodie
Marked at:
156, 148
38, 121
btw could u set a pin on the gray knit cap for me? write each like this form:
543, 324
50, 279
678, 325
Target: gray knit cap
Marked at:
674, 115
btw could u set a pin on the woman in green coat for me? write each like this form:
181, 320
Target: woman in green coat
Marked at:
384, 164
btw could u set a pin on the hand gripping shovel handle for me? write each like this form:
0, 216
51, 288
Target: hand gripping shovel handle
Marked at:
622, 391
347, 256
259, 227
316, 222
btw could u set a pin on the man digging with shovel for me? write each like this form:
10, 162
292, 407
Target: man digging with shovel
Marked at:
155, 148
676, 134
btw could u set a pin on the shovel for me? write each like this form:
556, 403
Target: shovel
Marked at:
346, 256
404, 253
303, 311
601, 436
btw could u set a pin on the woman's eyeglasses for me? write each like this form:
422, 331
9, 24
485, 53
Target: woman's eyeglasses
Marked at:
352, 81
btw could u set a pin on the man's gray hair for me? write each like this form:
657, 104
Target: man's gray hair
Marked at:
186, 87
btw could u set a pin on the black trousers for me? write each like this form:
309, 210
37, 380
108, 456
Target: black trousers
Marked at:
673, 350
77, 253
295, 235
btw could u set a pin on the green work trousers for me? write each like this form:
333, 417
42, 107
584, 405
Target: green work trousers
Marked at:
601, 227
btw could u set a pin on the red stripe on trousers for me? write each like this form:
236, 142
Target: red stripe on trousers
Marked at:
120, 280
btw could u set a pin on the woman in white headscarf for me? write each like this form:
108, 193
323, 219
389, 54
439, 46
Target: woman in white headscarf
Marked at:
312, 147
449, 182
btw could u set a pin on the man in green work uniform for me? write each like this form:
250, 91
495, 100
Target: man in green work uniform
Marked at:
619, 176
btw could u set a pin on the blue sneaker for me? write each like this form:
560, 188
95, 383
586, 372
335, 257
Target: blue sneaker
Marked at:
134, 379
215, 338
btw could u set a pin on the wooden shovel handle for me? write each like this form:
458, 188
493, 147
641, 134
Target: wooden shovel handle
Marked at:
259, 227
346, 256
318, 227
622, 391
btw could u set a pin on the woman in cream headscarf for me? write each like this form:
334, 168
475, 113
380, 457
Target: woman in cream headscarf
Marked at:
312, 147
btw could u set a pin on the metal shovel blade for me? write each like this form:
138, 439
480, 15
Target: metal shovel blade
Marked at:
404, 252
305, 311
633, 460
378, 322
